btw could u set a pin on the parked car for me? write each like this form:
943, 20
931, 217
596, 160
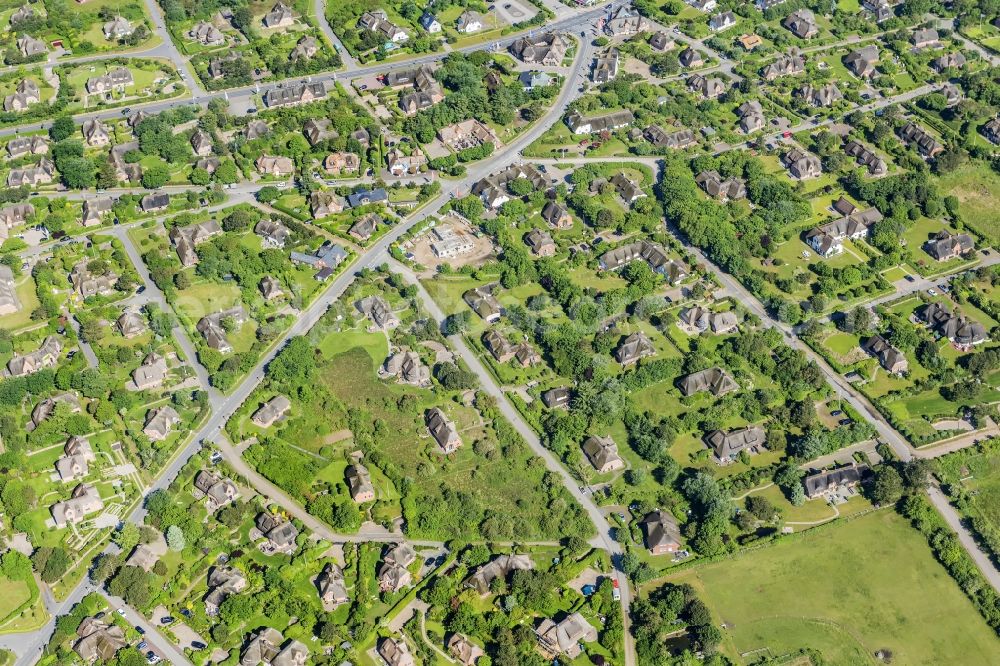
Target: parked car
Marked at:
616, 593
142, 645
836, 412
909, 278
845, 422
185, 612
120, 611
142, 632
167, 619
198, 645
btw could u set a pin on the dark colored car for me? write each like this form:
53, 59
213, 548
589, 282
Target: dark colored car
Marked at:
198, 645
142, 632
167, 619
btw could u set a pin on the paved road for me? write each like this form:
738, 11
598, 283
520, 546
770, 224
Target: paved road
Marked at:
968, 542
154, 295
246, 94
319, 8
157, 642
368, 532
604, 538
171, 51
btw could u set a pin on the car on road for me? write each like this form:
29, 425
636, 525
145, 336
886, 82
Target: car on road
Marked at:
932, 292
125, 111
616, 592
141, 289
121, 611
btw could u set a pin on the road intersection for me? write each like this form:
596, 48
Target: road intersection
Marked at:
28, 646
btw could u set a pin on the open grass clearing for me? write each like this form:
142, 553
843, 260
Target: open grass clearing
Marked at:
847, 591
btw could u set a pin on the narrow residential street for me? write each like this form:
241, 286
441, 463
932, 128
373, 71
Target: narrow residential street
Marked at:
604, 537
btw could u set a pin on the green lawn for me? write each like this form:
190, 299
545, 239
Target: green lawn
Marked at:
28, 297
978, 190
846, 591
205, 298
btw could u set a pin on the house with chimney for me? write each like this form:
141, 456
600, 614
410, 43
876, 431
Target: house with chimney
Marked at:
378, 312
866, 157
271, 411
395, 652
326, 259
46, 356
377, 21
633, 348
944, 245
608, 122
484, 303
729, 189
605, 66
785, 65
223, 582
407, 368
160, 422
547, 49
151, 373
94, 211
802, 165
75, 461
862, 62
493, 189
652, 253
83, 501
98, 639
279, 532
563, 638
820, 96
829, 482
624, 21
359, 483
278, 167
443, 430
206, 34
802, 23
828, 239
698, 319
331, 587
394, 574
556, 215
751, 115
95, 134
963, 332
280, 16
708, 88
726, 445
891, 359
920, 139
211, 327
217, 491
294, 94
602, 452
715, 380
27, 145
661, 531
499, 568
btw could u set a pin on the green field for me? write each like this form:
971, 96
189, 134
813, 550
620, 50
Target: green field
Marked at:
847, 591
978, 190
